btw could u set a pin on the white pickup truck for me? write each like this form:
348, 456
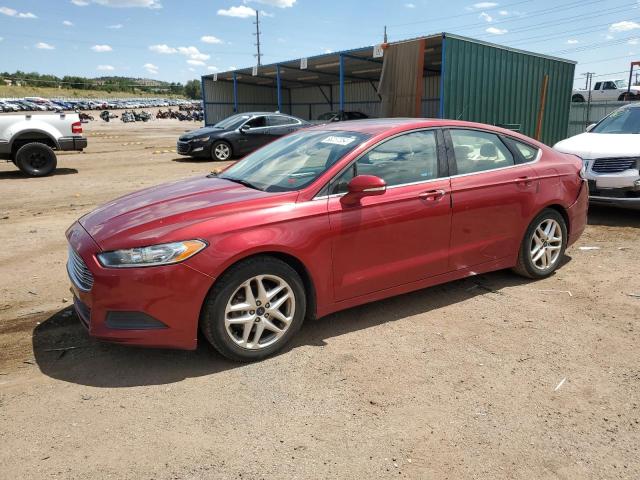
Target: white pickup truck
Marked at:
30, 141
608, 90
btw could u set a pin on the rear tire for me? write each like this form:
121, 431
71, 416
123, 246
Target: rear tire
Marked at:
36, 159
577, 98
245, 322
543, 246
221, 151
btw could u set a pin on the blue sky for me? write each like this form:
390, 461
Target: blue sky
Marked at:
179, 40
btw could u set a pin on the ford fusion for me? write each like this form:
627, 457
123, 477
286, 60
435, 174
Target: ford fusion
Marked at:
318, 221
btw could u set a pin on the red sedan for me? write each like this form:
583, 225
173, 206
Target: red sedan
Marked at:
321, 220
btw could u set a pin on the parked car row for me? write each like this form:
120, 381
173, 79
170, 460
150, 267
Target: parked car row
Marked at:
35, 104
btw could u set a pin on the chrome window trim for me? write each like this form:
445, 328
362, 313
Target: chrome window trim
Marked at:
324, 197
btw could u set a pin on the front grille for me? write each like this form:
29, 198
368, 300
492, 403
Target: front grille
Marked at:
80, 275
613, 165
183, 147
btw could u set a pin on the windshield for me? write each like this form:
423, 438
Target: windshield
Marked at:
233, 122
294, 161
623, 120
621, 83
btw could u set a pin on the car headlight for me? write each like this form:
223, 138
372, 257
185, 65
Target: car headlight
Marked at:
161, 254
202, 139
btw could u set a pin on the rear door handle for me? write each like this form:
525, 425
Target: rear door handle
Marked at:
433, 195
526, 181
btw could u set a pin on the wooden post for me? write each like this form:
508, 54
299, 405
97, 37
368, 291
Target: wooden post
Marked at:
420, 79
543, 101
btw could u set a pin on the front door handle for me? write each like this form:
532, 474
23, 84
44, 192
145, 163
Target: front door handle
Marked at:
433, 195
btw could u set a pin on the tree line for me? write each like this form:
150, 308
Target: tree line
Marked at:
108, 84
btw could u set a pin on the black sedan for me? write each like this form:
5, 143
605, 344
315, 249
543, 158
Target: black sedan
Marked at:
237, 135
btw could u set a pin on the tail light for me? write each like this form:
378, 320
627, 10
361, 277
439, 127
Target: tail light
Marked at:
76, 127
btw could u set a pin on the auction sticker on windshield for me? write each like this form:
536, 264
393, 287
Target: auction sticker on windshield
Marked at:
336, 140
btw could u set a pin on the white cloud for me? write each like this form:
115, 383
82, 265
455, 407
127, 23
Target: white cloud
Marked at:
105, 68
232, 67
193, 53
410, 5
102, 48
151, 68
634, 41
623, 26
191, 69
117, 26
486, 16
212, 68
164, 49
496, 31
327, 50
572, 41
504, 13
10, 12
239, 12
196, 63
267, 14
481, 5
609, 37
120, 3
1, 39
67, 23
210, 39
44, 46
275, 3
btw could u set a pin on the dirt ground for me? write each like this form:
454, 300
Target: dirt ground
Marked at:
491, 377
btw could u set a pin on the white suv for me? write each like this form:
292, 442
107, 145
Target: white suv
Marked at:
610, 150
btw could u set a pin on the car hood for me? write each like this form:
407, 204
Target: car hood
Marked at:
601, 145
201, 132
167, 212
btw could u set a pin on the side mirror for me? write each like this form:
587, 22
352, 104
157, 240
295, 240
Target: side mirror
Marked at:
363, 186
590, 127
245, 128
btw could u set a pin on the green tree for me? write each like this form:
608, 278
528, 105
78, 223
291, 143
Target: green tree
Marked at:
192, 89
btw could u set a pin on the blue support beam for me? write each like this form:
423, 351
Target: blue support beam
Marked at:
235, 93
204, 104
443, 72
278, 87
341, 82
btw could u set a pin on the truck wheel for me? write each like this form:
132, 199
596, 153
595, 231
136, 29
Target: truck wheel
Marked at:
36, 159
577, 98
625, 97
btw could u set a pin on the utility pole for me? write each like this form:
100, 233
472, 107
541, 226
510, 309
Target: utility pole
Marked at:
385, 35
589, 76
257, 34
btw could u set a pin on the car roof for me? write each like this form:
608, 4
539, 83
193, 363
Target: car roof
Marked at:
376, 126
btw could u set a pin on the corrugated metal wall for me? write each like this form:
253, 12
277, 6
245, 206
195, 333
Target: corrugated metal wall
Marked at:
218, 99
307, 102
578, 120
493, 85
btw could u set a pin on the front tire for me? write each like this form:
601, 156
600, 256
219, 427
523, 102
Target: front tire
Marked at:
543, 245
36, 159
254, 309
577, 98
221, 151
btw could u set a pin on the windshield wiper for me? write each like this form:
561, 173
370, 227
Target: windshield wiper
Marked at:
241, 182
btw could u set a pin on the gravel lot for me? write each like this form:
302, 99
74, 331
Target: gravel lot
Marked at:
490, 377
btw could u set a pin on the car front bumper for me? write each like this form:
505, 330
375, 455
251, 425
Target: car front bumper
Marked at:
148, 306
614, 188
192, 148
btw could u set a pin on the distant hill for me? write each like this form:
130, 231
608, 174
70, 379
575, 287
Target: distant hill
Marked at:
100, 85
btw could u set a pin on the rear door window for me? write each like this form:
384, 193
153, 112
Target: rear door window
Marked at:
476, 151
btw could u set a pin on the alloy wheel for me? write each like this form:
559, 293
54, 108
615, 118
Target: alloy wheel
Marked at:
222, 151
546, 244
259, 312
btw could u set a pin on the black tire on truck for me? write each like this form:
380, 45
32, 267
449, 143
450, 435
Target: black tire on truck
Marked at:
577, 98
36, 159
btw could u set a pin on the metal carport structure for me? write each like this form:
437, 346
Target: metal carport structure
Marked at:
459, 78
